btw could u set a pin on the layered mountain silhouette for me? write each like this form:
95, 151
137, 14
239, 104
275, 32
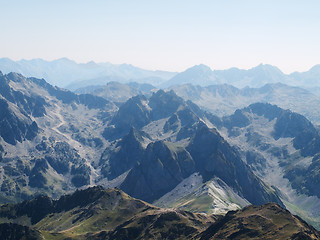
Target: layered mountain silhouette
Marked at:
67, 73
255, 77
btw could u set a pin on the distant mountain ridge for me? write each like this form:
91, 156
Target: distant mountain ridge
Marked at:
198, 75
69, 74
64, 72
255, 77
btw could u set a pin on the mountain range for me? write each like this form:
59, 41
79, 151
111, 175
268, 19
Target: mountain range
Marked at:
157, 147
59, 149
222, 99
71, 75
67, 73
255, 77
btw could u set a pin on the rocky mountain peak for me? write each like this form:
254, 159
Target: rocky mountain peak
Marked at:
162, 167
200, 68
16, 77
165, 96
264, 109
267, 69
198, 75
126, 154
205, 134
215, 157
164, 104
133, 113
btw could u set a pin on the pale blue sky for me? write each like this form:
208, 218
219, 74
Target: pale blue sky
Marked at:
164, 34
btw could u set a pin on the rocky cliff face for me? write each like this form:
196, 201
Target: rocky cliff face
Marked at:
214, 157
161, 168
15, 127
126, 153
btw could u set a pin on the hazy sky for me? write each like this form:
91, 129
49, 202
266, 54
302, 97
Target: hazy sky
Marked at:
164, 34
